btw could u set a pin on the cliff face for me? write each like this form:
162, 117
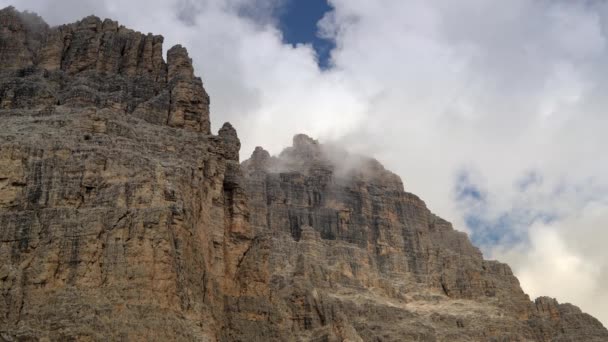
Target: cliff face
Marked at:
123, 218
94, 63
355, 257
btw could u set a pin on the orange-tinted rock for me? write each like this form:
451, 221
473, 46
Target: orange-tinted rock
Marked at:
101, 64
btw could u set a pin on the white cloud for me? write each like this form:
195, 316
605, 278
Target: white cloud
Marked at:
430, 88
566, 259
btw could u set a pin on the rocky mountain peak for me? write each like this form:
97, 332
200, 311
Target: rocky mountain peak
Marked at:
310, 157
302, 143
21, 34
304, 152
180, 64
232, 144
259, 160
101, 64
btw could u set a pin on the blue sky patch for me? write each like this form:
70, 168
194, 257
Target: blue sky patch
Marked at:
489, 228
298, 22
466, 190
529, 180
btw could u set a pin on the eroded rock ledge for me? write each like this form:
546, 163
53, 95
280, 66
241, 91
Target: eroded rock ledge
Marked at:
123, 218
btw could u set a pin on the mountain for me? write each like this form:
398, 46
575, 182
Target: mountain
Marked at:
123, 217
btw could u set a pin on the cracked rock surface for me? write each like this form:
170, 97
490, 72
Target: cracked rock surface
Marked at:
356, 258
122, 217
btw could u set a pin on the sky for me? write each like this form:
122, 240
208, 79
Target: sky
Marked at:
493, 112
297, 21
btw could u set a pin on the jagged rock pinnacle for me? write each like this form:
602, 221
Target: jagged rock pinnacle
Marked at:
180, 64
303, 141
231, 141
99, 64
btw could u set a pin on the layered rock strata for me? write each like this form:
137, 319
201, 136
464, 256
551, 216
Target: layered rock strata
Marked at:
123, 218
355, 257
99, 64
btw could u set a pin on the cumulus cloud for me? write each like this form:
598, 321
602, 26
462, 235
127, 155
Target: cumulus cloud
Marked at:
566, 258
492, 111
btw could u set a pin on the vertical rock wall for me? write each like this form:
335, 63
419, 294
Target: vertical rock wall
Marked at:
121, 217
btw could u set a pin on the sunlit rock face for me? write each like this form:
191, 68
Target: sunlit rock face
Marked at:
122, 217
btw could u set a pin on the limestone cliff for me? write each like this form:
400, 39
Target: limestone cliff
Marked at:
355, 257
122, 217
